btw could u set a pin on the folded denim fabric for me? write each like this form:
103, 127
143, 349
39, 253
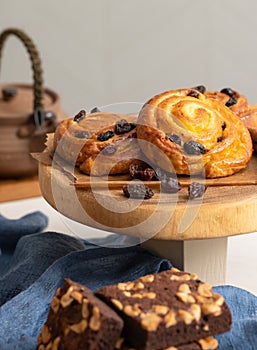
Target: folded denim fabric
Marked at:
12, 230
41, 261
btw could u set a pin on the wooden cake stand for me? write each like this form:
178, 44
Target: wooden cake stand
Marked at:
193, 234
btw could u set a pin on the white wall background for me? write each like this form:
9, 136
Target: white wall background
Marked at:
100, 52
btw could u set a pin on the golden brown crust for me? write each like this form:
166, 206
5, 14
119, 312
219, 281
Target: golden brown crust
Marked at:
222, 134
90, 154
249, 118
241, 105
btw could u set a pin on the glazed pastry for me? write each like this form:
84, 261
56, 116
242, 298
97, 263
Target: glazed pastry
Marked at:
229, 97
98, 143
249, 119
185, 132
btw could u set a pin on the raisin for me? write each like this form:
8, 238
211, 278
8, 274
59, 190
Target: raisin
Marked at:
123, 126
105, 136
175, 138
224, 125
196, 190
81, 115
194, 94
228, 91
200, 88
219, 139
137, 172
82, 135
170, 185
109, 149
8, 93
137, 191
232, 101
95, 110
193, 147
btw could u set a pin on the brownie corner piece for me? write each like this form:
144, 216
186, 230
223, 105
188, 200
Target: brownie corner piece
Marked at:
77, 319
170, 308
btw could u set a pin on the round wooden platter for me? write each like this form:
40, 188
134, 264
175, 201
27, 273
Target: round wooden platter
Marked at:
224, 210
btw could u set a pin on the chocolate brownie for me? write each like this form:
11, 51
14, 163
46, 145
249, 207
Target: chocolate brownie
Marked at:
78, 320
208, 343
167, 309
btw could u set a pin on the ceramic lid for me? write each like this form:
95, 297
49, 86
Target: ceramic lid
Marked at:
16, 102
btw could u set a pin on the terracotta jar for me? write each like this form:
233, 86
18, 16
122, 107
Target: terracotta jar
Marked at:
27, 114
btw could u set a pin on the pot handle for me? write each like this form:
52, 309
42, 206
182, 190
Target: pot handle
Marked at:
38, 108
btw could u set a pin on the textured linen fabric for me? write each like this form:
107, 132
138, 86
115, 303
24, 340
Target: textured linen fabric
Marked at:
33, 265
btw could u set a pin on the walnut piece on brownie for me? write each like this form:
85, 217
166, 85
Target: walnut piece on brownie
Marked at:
168, 309
78, 320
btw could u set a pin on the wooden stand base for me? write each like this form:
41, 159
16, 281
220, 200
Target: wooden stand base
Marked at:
207, 258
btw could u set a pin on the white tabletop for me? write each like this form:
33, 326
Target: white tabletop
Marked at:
242, 257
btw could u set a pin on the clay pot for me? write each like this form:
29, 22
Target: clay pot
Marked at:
27, 114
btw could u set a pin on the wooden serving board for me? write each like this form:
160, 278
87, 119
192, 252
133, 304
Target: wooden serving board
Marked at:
228, 207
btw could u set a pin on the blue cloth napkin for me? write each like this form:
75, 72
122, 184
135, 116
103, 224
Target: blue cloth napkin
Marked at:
33, 265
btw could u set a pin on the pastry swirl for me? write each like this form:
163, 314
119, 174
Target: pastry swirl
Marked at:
93, 143
249, 119
232, 99
186, 132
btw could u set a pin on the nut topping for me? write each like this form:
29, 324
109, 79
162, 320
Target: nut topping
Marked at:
147, 278
56, 343
194, 276
58, 292
174, 269
129, 285
170, 319
150, 295
45, 334
84, 309
195, 311
66, 331
66, 299
208, 343
132, 310
49, 346
161, 309
119, 343
185, 297
205, 290
139, 285
150, 322
186, 316
211, 309
55, 303
77, 296
184, 288
95, 321
137, 295
184, 277
122, 286
117, 303
218, 299
79, 327
206, 328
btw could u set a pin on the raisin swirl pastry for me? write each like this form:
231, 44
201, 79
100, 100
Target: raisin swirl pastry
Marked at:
233, 99
98, 143
185, 132
249, 118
